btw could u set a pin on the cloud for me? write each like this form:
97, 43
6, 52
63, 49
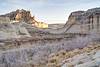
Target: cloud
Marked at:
25, 1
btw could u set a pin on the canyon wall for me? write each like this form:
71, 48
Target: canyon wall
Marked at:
23, 45
85, 21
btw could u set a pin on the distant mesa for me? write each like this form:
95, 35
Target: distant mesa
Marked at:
22, 16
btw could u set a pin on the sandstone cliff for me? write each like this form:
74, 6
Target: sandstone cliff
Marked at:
23, 16
20, 15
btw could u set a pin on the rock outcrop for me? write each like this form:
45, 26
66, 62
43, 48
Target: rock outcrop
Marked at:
50, 47
20, 15
84, 21
4, 20
8, 31
24, 16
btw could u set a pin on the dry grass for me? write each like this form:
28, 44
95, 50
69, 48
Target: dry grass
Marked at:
62, 55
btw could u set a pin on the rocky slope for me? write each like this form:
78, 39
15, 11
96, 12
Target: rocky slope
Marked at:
8, 31
23, 45
35, 53
85, 57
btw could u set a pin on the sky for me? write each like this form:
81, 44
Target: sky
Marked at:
48, 11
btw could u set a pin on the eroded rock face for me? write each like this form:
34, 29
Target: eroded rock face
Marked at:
37, 52
4, 19
20, 15
83, 16
84, 21
23, 16
8, 31
75, 16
